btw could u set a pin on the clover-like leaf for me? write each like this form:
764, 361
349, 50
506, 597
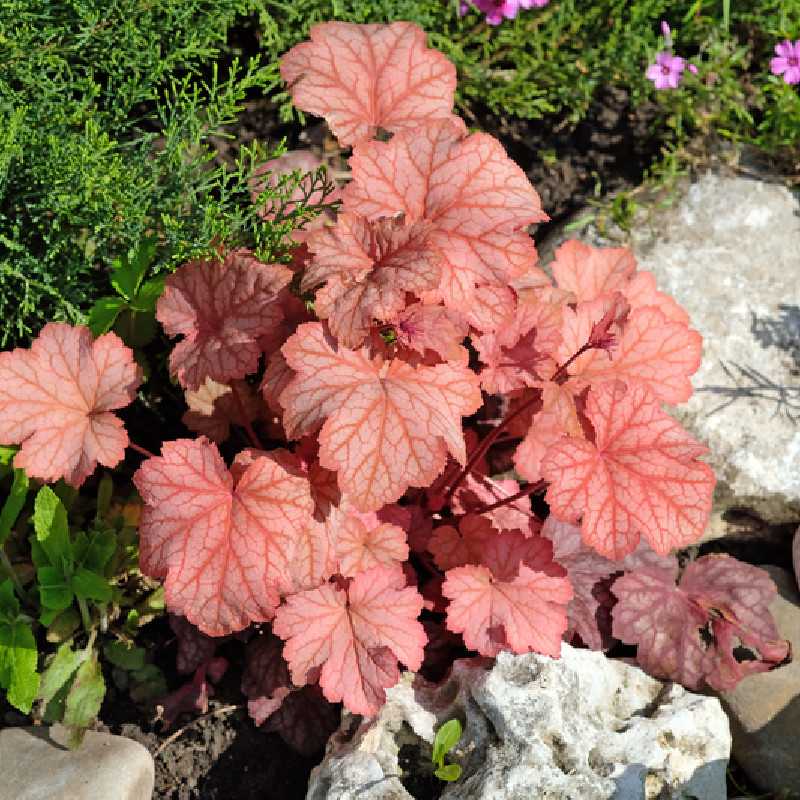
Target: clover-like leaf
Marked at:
385, 424
221, 540
368, 267
57, 399
355, 635
222, 309
639, 477
476, 199
365, 77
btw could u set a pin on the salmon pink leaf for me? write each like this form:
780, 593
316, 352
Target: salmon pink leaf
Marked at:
479, 490
355, 635
221, 540
525, 613
385, 424
364, 77
441, 330
589, 272
57, 399
222, 309
368, 267
476, 199
697, 632
363, 541
639, 477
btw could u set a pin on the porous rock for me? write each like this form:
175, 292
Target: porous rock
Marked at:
35, 764
765, 709
579, 727
727, 250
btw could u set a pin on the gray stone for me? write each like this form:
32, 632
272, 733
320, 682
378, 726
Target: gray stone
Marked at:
36, 766
582, 727
765, 709
729, 251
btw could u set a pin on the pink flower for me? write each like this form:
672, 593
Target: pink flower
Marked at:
498, 10
787, 61
667, 72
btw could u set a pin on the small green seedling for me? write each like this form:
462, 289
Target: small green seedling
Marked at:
446, 739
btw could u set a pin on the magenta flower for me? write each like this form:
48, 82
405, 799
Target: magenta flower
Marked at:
787, 61
498, 10
667, 72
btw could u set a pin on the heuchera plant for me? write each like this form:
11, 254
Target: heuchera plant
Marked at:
412, 352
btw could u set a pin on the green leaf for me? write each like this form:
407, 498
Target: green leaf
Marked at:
52, 529
55, 592
94, 550
446, 739
128, 271
60, 671
148, 683
9, 605
103, 314
18, 661
136, 328
63, 626
7, 455
449, 772
120, 655
148, 295
89, 585
84, 699
13, 505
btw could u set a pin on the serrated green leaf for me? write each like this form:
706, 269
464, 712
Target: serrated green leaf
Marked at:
55, 592
18, 662
147, 297
60, 671
446, 739
84, 699
52, 529
9, 605
13, 505
449, 772
129, 658
89, 585
103, 314
127, 272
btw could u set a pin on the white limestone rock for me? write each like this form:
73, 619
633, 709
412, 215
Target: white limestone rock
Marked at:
580, 727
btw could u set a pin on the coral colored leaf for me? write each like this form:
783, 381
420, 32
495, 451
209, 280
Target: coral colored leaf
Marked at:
557, 418
641, 291
455, 547
589, 272
479, 490
356, 636
312, 558
490, 308
693, 632
277, 376
477, 200
441, 330
363, 542
520, 353
214, 407
640, 477
56, 400
221, 540
222, 309
368, 267
653, 352
385, 424
364, 77
526, 613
